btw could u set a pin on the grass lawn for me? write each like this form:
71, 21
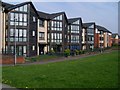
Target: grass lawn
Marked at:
99, 71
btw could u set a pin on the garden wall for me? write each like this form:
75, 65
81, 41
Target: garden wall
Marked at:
9, 59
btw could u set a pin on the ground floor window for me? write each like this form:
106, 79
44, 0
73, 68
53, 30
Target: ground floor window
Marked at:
20, 50
74, 47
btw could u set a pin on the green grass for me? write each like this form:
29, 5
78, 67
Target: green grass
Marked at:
41, 58
99, 71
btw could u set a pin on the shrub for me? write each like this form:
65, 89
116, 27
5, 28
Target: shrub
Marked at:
67, 52
72, 53
81, 52
52, 52
76, 52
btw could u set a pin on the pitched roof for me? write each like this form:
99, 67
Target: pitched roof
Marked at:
43, 15
10, 7
18, 5
88, 24
71, 20
6, 5
102, 28
57, 14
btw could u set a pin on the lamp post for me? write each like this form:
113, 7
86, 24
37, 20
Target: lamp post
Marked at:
101, 41
15, 41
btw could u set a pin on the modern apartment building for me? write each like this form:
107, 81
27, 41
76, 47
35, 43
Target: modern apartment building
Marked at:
102, 37
20, 28
57, 29
34, 32
74, 34
88, 35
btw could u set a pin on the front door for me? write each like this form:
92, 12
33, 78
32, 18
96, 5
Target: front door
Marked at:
41, 49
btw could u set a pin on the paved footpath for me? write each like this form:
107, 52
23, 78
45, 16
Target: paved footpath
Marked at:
6, 87
61, 59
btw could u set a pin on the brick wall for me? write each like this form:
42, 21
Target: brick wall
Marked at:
96, 41
7, 59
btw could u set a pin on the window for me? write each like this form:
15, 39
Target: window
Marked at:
76, 22
56, 25
25, 17
33, 19
41, 23
56, 37
11, 32
25, 8
20, 35
24, 33
20, 17
21, 8
12, 16
58, 18
33, 48
74, 29
16, 33
33, 33
20, 32
41, 35
12, 49
75, 38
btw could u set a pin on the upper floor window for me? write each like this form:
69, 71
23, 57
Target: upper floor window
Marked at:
22, 8
41, 35
18, 19
11, 32
75, 29
19, 35
58, 17
41, 23
76, 22
56, 25
33, 33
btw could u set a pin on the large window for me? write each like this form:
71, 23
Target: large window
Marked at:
20, 50
22, 8
90, 31
56, 37
41, 35
76, 22
56, 25
74, 47
74, 38
18, 19
58, 18
20, 35
75, 29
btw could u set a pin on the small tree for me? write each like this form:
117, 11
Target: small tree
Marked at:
77, 52
67, 52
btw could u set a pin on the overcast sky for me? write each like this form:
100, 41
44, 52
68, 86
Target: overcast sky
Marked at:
101, 12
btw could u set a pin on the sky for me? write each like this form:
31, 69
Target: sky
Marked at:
102, 12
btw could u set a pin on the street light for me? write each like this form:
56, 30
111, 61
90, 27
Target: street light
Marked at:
15, 40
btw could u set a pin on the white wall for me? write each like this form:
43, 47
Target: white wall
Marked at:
42, 29
83, 35
1, 28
